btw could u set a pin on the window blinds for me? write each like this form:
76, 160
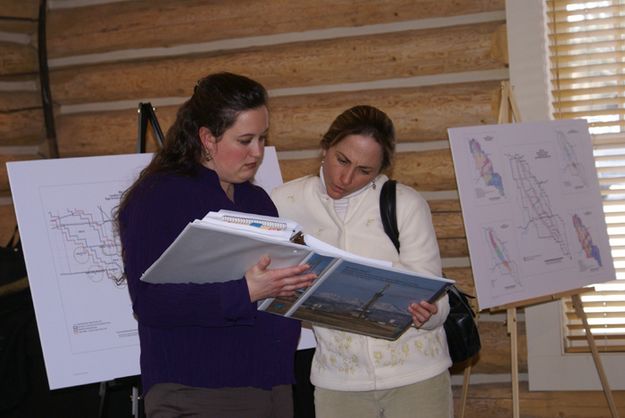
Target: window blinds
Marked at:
587, 56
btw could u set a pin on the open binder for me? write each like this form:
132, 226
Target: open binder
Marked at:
351, 293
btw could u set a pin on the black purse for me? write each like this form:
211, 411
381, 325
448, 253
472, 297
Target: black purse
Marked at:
463, 338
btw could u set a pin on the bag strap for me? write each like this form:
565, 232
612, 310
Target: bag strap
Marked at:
462, 298
388, 211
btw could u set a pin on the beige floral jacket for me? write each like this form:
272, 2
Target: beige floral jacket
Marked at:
346, 361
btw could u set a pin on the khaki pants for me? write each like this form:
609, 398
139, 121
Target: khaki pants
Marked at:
430, 398
169, 400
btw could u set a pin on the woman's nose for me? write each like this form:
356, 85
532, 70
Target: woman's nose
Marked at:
347, 176
256, 148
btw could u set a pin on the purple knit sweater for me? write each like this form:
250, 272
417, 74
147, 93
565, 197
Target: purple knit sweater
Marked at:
202, 335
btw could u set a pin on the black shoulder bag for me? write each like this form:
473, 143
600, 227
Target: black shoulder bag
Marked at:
463, 337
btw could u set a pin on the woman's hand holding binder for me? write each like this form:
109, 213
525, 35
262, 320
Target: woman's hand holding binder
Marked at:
263, 282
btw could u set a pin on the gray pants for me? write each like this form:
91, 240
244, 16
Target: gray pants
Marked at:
169, 400
431, 398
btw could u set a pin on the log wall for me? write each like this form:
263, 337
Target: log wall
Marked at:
430, 64
21, 118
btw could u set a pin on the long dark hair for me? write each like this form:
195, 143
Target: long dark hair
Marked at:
216, 102
367, 121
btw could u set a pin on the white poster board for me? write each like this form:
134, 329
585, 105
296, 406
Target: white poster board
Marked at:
532, 209
64, 209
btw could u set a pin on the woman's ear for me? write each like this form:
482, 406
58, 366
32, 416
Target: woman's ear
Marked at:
207, 139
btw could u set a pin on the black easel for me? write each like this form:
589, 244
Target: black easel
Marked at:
146, 113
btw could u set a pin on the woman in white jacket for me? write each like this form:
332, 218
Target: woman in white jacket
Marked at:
358, 376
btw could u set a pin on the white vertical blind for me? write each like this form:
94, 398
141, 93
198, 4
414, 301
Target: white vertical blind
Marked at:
587, 57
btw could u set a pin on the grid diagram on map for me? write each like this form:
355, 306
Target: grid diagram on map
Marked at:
542, 229
90, 243
88, 263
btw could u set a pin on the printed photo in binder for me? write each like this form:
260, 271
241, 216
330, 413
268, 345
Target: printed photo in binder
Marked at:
358, 298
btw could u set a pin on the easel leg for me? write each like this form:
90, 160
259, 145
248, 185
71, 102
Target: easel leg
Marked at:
579, 309
134, 399
508, 108
514, 355
504, 116
465, 390
103, 392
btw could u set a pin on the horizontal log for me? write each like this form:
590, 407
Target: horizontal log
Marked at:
452, 239
341, 60
21, 9
21, 117
105, 133
18, 26
418, 113
163, 23
453, 247
7, 223
20, 125
32, 143
292, 169
17, 59
448, 225
27, 79
298, 122
444, 205
495, 400
19, 100
425, 170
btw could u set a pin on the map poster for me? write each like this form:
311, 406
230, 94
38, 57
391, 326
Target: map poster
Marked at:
532, 209
65, 211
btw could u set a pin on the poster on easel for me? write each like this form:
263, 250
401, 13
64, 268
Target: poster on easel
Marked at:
65, 211
532, 209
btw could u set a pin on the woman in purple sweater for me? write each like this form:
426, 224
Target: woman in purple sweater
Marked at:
205, 349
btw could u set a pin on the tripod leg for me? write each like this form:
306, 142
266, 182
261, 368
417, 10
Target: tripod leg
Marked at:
465, 390
103, 399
